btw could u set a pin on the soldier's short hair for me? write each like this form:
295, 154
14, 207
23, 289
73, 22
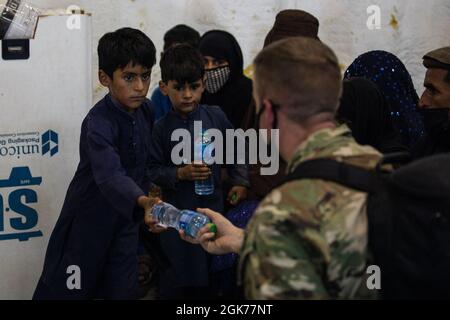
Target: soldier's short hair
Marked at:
301, 75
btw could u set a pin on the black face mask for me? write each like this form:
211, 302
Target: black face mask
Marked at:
436, 121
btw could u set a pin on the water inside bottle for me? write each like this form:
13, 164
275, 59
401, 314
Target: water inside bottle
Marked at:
166, 214
204, 187
191, 222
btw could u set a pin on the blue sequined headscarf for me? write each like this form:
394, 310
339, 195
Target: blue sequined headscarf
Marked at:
394, 81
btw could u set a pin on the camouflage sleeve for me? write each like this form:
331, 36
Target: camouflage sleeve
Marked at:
283, 256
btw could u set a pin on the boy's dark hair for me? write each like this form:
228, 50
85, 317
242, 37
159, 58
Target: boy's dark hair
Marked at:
183, 64
117, 49
181, 34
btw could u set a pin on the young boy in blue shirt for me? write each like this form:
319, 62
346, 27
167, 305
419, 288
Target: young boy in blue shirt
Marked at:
97, 230
182, 70
179, 34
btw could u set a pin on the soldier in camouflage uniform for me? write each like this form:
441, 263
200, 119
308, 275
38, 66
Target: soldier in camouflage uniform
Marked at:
308, 238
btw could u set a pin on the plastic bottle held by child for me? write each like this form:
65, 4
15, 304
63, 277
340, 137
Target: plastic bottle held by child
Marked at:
205, 146
188, 221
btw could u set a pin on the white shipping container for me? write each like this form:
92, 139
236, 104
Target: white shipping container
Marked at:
43, 101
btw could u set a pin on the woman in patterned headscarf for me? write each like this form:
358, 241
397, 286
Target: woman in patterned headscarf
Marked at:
394, 81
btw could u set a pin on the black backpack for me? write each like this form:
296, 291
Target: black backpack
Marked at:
409, 220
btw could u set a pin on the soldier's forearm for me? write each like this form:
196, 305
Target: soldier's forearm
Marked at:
237, 240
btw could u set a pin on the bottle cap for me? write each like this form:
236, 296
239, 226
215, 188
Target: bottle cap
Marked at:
212, 228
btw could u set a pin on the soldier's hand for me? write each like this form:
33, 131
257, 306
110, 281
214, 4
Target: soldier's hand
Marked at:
187, 238
194, 171
228, 238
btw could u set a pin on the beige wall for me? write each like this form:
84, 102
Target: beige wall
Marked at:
421, 25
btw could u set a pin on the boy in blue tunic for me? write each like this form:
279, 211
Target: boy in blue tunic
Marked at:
92, 250
179, 34
182, 70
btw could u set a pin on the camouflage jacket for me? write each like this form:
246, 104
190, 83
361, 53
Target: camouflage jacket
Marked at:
308, 238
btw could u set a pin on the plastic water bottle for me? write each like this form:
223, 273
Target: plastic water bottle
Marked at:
205, 146
188, 221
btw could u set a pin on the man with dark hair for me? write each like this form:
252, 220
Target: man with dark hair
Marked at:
308, 239
180, 34
435, 104
92, 252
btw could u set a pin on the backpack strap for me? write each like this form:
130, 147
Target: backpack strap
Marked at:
331, 170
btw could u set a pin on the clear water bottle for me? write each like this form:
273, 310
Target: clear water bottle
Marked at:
204, 146
188, 221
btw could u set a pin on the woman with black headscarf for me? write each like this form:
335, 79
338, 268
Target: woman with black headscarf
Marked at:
367, 113
226, 84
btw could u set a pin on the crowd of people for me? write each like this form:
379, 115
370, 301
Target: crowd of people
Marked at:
284, 236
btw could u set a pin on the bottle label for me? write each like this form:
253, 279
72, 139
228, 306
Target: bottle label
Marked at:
186, 218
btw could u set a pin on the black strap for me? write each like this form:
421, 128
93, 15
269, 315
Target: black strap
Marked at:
342, 173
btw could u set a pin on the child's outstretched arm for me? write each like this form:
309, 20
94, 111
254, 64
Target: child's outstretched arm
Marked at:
120, 190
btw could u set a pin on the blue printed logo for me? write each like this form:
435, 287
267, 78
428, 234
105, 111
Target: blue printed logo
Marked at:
24, 144
17, 218
50, 143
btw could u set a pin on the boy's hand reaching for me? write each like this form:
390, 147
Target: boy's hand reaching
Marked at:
227, 239
194, 171
153, 225
148, 203
237, 194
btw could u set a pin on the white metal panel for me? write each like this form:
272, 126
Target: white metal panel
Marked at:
44, 97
